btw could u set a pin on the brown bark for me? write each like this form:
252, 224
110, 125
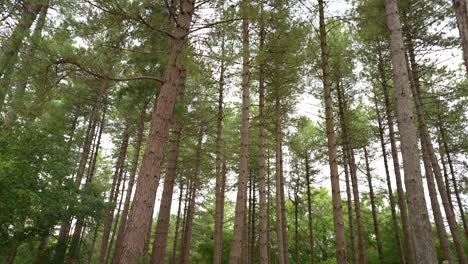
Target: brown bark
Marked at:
136, 237
340, 241
309, 208
389, 184
263, 207
11, 47
407, 234
374, 207
454, 181
236, 247
219, 191
423, 241
43, 244
284, 226
185, 247
349, 203
131, 182
461, 13
278, 189
116, 179
177, 226
93, 243
162, 226
347, 143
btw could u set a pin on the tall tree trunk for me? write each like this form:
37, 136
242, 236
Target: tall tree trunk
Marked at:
340, 241
454, 181
284, 226
374, 207
296, 221
131, 182
268, 172
423, 241
432, 159
16, 102
444, 166
343, 109
407, 234
177, 226
93, 243
278, 190
309, 208
389, 184
263, 207
162, 226
349, 203
252, 226
11, 47
219, 203
461, 13
236, 247
185, 247
136, 237
43, 244
116, 179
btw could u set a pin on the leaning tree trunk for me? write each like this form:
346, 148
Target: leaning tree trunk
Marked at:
461, 13
407, 234
162, 225
389, 184
119, 168
309, 209
136, 237
353, 169
374, 207
340, 241
238, 230
219, 203
431, 157
131, 182
11, 47
185, 248
454, 181
421, 226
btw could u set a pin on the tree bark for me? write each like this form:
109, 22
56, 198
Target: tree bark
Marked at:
424, 243
162, 226
185, 247
374, 207
236, 247
116, 179
340, 241
309, 209
389, 184
131, 182
353, 169
177, 226
43, 244
9, 51
454, 181
349, 202
407, 234
461, 13
219, 191
136, 237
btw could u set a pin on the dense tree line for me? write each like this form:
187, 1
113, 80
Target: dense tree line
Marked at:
270, 131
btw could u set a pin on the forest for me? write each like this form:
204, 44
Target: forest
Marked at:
240, 131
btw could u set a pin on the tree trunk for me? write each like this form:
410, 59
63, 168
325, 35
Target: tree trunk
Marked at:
136, 237
116, 179
340, 241
407, 234
9, 51
374, 207
389, 184
309, 209
278, 190
16, 102
162, 225
236, 247
43, 244
349, 202
131, 182
93, 243
185, 247
454, 181
432, 159
423, 241
284, 226
461, 13
177, 226
444, 167
219, 191
353, 169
